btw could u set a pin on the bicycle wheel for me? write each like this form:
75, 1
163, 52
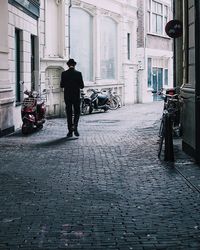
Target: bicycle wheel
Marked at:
113, 103
119, 101
161, 136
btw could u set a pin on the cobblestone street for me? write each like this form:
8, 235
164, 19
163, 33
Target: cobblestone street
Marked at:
104, 190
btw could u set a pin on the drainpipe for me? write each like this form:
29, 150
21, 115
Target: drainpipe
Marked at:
70, 5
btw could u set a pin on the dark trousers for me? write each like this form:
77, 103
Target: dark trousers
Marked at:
73, 114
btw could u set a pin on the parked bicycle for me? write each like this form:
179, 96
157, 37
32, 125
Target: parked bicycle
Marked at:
113, 96
170, 122
98, 100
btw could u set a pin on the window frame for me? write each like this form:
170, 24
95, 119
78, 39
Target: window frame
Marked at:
164, 14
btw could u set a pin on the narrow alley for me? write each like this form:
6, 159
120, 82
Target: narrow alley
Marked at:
104, 190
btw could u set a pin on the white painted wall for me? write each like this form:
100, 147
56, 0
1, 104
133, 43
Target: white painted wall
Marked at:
20, 20
125, 15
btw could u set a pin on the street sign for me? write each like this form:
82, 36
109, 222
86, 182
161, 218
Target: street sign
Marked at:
174, 28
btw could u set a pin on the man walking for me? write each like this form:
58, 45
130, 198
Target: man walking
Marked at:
72, 82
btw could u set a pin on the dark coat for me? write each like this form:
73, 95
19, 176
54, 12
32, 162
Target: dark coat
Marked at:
72, 82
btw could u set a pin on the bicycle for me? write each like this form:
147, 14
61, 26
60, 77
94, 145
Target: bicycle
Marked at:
114, 99
170, 122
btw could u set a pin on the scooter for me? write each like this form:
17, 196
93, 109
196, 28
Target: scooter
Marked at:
33, 111
98, 100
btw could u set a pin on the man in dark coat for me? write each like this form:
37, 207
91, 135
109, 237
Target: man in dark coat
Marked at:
72, 82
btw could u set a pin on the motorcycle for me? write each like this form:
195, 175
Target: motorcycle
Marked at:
100, 100
33, 111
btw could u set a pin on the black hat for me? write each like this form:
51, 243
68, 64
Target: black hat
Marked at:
71, 62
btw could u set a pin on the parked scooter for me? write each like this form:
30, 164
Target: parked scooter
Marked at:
99, 101
33, 111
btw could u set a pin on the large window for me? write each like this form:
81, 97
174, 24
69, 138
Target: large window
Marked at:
157, 17
81, 45
108, 48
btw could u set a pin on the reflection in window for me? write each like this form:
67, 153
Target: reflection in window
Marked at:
81, 46
108, 48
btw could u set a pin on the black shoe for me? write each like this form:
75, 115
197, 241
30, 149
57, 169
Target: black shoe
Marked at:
69, 134
76, 133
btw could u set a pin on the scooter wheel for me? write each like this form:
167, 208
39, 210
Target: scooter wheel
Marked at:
40, 126
26, 129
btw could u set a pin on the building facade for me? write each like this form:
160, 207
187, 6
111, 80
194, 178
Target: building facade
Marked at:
115, 44
155, 49
19, 58
187, 63
6, 93
100, 36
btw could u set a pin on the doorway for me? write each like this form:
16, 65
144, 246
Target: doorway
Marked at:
157, 82
55, 100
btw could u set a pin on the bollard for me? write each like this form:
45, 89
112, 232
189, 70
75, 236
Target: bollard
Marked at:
169, 149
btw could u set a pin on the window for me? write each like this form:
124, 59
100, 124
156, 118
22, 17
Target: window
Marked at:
18, 57
53, 29
128, 46
149, 72
157, 17
166, 77
108, 48
32, 62
81, 41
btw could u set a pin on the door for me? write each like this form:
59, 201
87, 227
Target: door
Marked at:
55, 100
157, 82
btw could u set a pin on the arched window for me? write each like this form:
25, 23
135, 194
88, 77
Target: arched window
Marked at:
81, 45
108, 48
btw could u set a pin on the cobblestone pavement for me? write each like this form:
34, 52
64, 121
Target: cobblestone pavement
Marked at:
104, 190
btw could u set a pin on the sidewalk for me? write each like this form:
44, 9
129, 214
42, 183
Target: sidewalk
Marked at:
104, 190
